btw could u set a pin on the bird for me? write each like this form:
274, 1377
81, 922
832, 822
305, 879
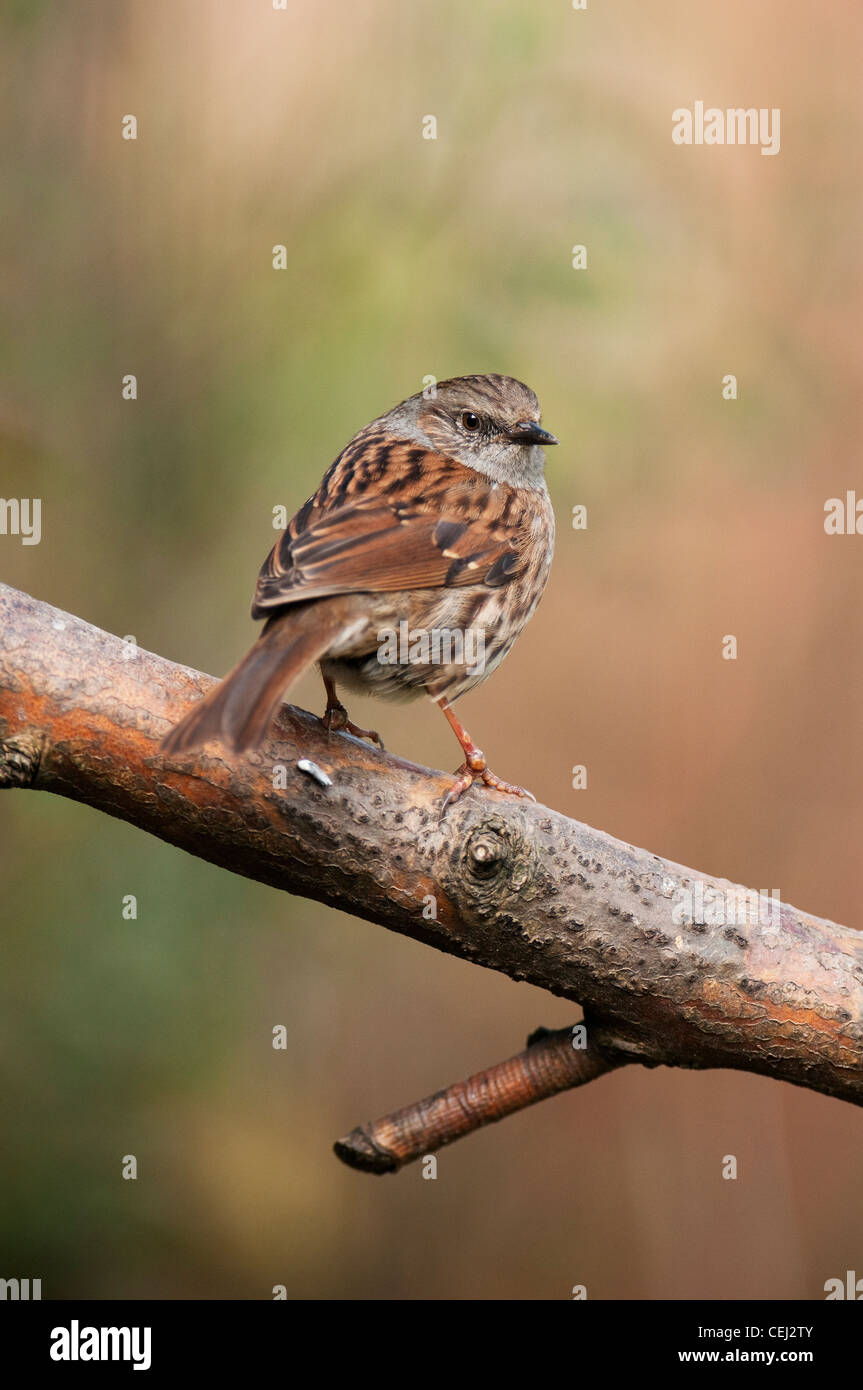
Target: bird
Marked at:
411, 571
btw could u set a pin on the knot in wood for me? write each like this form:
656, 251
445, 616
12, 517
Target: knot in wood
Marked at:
497, 860
19, 760
486, 854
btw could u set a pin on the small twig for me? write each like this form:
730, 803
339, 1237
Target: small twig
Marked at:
549, 1064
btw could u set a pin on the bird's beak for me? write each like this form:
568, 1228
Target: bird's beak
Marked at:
529, 432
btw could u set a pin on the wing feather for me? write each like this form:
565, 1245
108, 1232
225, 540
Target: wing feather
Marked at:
445, 526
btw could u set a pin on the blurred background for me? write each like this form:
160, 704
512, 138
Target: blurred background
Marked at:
408, 257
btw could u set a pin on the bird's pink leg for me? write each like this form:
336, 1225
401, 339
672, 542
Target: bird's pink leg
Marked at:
474, 765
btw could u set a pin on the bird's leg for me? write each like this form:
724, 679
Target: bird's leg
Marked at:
335, 717
474, 765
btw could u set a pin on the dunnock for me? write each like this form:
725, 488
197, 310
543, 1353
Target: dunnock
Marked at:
411, 571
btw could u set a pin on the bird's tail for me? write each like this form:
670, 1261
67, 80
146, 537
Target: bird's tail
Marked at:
238, 712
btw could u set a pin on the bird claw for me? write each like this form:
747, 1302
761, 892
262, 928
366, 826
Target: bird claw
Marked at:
465, 780
509, 787
467, 775
335, 720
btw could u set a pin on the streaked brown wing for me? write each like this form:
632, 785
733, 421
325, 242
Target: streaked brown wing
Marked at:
434, 523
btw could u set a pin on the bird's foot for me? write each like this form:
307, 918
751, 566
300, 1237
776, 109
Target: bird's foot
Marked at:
474, 769
335, 720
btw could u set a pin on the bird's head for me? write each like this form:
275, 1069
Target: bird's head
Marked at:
490, 423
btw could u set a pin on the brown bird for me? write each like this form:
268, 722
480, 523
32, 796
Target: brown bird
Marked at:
411, 571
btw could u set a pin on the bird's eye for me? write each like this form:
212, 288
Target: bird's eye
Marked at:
470, 421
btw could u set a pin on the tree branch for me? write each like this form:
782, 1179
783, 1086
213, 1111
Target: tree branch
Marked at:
549, 1064
503, 883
